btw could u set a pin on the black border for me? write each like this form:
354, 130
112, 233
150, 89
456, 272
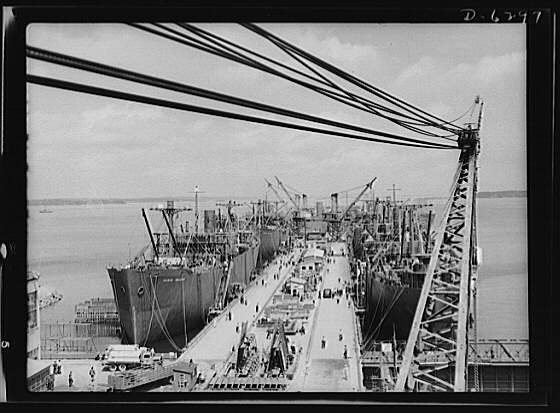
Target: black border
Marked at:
540, 161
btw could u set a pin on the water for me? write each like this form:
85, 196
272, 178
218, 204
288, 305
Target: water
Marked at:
72, 247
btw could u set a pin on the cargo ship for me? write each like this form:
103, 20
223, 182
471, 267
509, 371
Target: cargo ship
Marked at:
168, 292
391, 251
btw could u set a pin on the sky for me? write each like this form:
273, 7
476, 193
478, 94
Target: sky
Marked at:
83, 146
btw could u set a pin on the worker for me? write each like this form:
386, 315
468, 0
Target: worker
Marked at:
50, 382
340, 336
323, 342
345, 352
237, 328
70, 380
92, 374
257, 308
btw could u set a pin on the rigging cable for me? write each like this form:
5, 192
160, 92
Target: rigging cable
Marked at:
323, 79
82, 64
368, 104
356, 81
93, 90
207, 48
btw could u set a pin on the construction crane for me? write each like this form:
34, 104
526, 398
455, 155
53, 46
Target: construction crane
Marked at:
275, 191
287, 193
349, 207
444, 312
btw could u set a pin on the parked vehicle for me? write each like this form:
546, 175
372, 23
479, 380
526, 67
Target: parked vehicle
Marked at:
126, 356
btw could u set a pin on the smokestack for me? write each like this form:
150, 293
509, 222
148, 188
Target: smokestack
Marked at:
298, 201
304, 201
334, 203
319, 206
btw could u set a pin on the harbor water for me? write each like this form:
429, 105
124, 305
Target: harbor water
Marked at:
72, 246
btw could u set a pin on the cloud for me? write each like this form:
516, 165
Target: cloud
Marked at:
126, 114
332, 49
418, 70
487, 70
492, 68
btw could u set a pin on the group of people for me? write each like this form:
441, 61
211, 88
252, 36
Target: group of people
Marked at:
56, 369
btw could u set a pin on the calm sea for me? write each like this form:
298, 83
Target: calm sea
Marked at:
72, 246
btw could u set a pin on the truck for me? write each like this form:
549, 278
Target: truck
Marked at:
126, 356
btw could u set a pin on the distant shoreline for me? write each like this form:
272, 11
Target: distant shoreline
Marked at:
107, 201
112, 201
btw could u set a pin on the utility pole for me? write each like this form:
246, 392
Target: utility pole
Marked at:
394, 189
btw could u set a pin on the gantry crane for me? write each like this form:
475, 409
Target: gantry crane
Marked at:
445, 307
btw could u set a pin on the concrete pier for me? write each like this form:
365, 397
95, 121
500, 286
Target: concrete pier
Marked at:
213, 345
326, 369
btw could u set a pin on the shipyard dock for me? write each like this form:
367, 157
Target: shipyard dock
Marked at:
316, 367
213, 345
322, 336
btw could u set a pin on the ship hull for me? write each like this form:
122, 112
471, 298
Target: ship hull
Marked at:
388, 307
270, 241
167, 307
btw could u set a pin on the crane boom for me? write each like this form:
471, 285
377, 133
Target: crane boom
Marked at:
441, 320
275, 191
287, 193
349, 207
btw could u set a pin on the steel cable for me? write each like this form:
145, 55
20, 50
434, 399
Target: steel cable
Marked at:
82, 64
93, 90
324, 80
189, 41
356, 81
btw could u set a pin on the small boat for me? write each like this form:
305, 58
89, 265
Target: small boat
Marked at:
45, 211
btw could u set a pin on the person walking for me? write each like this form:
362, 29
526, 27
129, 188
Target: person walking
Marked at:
323, 342
50, 382
70, 380
345, 352
92, 375
340, 336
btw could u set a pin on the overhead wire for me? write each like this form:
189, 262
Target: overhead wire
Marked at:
390, 98
189, 41
77, 63
93, 90
323, 80
358, 99
369, 105
356, 81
